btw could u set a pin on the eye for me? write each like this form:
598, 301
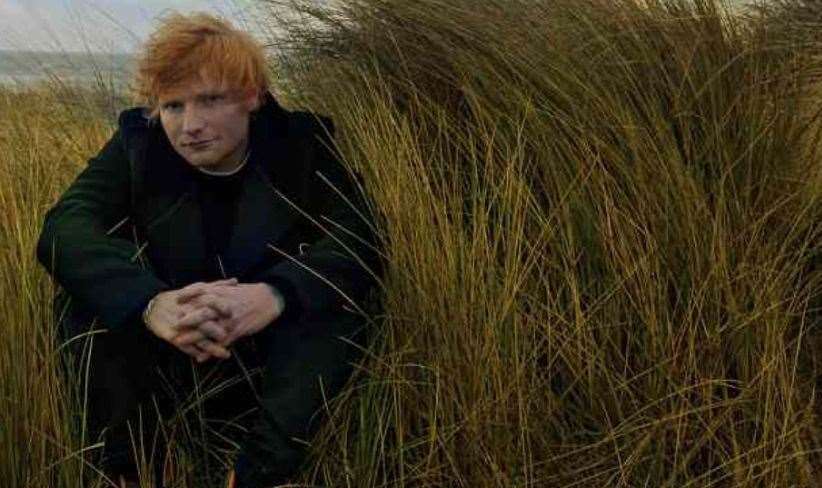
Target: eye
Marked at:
214, 98
172, 106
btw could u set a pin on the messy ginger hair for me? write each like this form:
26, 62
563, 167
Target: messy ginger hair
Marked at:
184, 48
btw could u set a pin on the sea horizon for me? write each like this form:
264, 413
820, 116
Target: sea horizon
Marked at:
26, 67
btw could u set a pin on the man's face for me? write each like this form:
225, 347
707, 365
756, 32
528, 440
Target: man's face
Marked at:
206, 124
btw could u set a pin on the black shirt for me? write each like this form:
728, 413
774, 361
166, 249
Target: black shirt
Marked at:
218, 196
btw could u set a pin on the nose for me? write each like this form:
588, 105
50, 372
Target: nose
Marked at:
193, 122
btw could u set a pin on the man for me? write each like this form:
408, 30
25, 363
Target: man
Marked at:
214, 232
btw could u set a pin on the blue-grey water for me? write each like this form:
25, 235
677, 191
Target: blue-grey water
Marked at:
21, 68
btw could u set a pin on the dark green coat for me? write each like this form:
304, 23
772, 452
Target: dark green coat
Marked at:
129, 226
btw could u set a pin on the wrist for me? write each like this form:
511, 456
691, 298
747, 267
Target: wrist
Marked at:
279, 300
147, 310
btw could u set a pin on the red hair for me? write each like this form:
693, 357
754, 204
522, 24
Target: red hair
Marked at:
198, 46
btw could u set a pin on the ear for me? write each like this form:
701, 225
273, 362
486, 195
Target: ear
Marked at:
252, 100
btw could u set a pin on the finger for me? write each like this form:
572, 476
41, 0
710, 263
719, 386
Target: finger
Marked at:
214, 349
195, 317
188, 292
201, 355
185, 296
189, 337
191, 350
226, 282
184, 310
213, 331
217, 303
206, 284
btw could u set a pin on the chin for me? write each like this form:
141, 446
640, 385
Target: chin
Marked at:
200, 162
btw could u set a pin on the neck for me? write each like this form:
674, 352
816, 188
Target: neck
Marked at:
226, 172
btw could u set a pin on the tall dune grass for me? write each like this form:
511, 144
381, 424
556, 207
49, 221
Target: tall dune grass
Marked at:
602, 228
42, 142
604, 224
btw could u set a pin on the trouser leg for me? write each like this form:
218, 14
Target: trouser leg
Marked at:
304, 364
116, 372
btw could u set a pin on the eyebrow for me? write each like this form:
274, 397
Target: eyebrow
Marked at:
199, 97
210, 93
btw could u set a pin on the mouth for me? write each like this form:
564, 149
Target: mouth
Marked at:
198, 144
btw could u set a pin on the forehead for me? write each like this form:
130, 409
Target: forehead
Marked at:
190, 89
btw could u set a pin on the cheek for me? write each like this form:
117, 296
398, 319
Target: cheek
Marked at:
239, 130
239, 133
171, 130
236, 124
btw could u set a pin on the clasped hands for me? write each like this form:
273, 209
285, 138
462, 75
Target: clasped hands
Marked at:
203, 319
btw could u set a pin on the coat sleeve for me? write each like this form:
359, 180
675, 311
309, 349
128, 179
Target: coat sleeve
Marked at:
344, 262
79, 247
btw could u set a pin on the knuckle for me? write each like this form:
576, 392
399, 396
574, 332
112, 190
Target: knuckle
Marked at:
207, 330
219, 334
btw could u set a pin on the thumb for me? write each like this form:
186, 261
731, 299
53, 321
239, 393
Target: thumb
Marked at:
192, 291
227, 281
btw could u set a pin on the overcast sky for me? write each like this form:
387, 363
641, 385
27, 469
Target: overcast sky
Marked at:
103, 25
98, 25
